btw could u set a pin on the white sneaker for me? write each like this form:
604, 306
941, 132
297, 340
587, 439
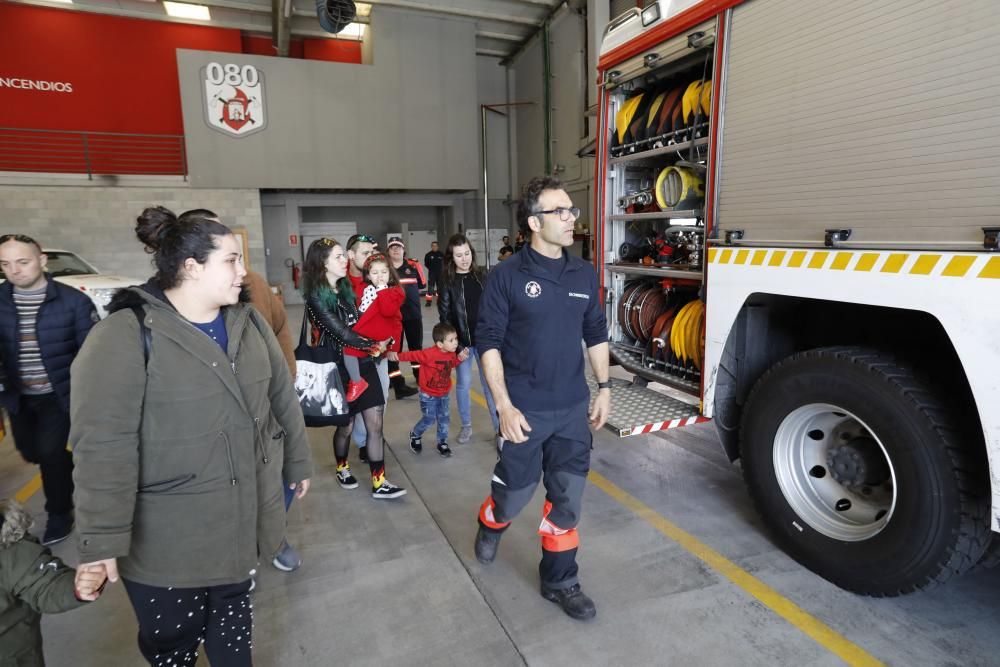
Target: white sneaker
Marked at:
464, 435
388, 490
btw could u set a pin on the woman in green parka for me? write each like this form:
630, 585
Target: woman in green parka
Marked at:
184, 430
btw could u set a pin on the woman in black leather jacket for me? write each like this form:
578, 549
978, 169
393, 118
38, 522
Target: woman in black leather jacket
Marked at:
332, 311
462, 284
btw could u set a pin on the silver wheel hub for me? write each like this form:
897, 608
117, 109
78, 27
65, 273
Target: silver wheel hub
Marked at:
834, 472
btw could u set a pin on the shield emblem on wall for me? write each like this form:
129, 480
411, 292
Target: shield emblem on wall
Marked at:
234, 99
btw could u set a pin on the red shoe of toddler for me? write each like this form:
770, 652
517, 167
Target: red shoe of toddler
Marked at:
355, 388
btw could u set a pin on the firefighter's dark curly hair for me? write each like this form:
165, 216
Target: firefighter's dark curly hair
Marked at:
528, 203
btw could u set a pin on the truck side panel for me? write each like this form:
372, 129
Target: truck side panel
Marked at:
875, 117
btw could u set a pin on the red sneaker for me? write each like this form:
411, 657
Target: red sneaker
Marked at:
355, 388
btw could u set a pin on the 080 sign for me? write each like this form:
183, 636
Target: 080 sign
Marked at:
234, 98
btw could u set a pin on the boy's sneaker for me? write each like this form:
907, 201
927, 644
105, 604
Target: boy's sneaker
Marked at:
287, 559
58, 528
388, 490
416, 446
346, 479
444, 450
464, 435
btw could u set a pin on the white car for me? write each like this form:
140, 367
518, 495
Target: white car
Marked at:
71, 269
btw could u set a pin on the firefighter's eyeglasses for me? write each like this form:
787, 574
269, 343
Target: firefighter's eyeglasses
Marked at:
564, 213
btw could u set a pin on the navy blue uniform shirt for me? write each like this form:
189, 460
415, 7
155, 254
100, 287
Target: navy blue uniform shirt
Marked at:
535, 311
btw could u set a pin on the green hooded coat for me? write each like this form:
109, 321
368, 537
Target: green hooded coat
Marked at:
179, 464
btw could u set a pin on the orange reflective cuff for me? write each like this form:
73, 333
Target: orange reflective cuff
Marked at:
486, 515
565, 542
555, 538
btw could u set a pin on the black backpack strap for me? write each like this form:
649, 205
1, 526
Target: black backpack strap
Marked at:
147, 335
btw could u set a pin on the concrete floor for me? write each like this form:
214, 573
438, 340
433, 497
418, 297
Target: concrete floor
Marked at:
396, 582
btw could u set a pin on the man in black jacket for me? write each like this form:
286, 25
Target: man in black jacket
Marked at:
42, 327
434, 262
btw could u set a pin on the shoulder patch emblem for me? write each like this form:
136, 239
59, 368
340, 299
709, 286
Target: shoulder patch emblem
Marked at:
533, 289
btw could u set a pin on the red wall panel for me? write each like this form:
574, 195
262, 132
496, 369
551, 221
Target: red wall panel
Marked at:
123, 71
264, 46
333, 50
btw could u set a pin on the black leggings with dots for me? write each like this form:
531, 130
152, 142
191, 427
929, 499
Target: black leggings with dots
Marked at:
174, 621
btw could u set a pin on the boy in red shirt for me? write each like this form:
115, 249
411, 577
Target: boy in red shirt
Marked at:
436, 364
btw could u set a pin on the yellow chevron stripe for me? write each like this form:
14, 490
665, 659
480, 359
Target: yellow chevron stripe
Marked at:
867, 261
818, 259
958, 266
992, 269
841, 260
894, 263
925, 264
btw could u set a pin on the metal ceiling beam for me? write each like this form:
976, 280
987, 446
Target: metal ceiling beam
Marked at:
499, 35
454, 11
539, 3
492, 52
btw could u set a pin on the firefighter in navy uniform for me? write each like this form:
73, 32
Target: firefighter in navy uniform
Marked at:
537, 307
411, 277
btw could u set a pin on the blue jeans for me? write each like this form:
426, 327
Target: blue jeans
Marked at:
464, 384
433, 408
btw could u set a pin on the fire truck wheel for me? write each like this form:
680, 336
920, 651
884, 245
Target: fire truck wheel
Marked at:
861, 472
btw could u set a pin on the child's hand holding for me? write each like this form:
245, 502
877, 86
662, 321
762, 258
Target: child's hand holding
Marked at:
90, 582
463, 355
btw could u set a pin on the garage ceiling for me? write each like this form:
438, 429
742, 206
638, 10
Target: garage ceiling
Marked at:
501, 25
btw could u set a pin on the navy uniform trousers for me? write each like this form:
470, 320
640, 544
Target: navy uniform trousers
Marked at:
558, 452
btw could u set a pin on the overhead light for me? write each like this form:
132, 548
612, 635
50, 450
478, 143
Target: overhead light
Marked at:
183, 10
363, 8
68, 2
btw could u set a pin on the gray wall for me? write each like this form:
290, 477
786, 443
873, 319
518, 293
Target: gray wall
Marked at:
403, 122
492, 87
570, 79
98, 222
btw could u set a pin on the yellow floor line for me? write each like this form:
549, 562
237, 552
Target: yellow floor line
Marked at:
808, 624
29, 489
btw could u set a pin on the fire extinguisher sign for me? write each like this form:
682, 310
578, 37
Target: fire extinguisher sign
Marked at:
293, 239
234, 98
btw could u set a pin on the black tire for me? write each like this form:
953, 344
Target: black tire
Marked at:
938, 525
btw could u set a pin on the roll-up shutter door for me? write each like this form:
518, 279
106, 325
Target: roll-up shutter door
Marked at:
619, 7
881, 117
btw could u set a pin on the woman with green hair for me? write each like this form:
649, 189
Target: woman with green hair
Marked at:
332, 311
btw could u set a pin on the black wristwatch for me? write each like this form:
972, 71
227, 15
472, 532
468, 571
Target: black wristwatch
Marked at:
604, 385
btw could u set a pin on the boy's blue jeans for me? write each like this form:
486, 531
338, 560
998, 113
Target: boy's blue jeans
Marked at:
433, 408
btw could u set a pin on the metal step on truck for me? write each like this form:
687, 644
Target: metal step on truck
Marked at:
797, 220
